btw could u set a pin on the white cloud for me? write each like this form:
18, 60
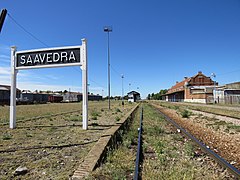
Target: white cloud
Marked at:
5, 70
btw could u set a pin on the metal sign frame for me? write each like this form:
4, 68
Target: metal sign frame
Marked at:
83, 65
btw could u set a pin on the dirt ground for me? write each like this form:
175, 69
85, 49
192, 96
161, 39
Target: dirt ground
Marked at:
53, 146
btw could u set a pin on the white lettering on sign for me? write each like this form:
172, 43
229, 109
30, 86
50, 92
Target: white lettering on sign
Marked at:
42, 58
72, 56
56, 57
36, 59
23, 59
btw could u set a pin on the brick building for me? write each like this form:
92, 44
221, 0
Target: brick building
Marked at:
191, 89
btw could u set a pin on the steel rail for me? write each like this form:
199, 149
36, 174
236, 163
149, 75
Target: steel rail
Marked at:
215, 156
139, 149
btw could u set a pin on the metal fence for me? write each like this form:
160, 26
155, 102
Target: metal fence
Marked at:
227, 99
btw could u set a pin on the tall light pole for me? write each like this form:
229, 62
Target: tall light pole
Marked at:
102, 93
108, 29
129, 86
122, 76
214, 88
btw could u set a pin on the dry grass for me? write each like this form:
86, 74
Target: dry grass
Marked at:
53, 146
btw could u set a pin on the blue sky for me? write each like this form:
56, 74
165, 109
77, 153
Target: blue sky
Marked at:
154, 43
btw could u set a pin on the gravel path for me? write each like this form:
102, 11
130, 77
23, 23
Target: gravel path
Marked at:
222, 118
235, 108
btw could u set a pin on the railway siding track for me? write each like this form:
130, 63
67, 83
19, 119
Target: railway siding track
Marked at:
207, 140
231, 112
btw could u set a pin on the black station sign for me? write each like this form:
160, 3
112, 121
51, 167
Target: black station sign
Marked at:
48, 57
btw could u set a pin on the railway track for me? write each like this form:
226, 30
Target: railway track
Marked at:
204, 147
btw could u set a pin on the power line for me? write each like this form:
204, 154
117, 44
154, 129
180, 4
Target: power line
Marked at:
114, 70
229, 72
90, 79
97, 83
24, 29
37, 39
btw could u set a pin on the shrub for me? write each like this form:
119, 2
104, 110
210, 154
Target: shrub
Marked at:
186, 113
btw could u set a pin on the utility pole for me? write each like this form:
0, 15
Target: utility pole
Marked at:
214, 88
108, 29
122, 76
2, 18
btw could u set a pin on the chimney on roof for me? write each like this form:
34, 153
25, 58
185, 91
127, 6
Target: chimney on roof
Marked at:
199, 72
185, 77
176, 82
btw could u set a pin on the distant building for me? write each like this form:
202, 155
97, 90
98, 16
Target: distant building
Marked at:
76, 97
29, 97
5, 94
192, 89
133, 96
72, 97
228, 93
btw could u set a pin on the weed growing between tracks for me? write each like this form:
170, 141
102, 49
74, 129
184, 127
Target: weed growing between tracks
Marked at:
170, 156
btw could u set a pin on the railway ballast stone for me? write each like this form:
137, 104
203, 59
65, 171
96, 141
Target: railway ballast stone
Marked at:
20, 171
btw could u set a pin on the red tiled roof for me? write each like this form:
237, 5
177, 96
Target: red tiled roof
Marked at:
179, 86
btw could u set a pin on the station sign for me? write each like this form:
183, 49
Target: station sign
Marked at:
47, 58
51, 57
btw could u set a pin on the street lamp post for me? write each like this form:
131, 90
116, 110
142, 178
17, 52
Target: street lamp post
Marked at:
214, 88
122, 76
108, 29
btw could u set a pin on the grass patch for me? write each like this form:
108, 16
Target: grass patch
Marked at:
94, 118
95, 113
6, 136
156, 130
118, 110
234, 127
117, 118
75, 118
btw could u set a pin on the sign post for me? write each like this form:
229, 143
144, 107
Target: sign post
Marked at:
84, 68
13, 89
49, 58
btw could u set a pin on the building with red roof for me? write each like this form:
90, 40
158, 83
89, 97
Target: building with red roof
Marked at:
192, 89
